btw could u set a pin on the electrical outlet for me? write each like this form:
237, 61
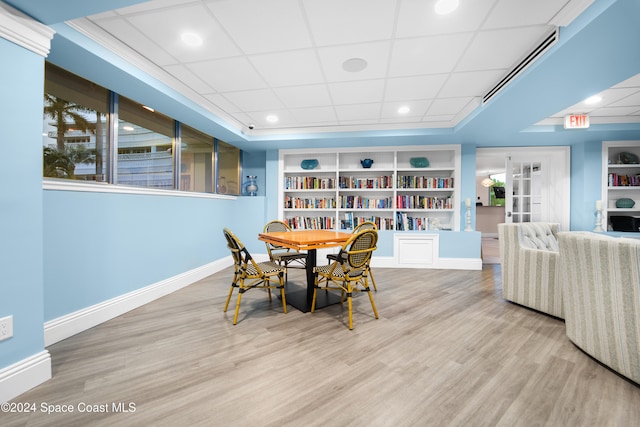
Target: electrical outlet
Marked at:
6, 328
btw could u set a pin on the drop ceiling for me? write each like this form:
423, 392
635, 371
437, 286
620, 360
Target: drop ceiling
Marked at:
285, 58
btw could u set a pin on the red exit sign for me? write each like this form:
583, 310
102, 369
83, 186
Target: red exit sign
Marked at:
576, 121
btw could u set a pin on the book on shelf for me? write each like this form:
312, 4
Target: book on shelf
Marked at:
311, 223
423, 202
406, 222
421, 182
349, 221
620, 180
381, 182
308, 183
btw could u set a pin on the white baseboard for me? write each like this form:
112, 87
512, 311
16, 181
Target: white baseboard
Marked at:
460, 264
24, 375
440, 264
65, 326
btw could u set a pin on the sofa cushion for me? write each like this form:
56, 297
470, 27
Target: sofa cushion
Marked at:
538, 236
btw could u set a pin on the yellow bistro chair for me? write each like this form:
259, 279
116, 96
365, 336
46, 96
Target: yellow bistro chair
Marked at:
249, 274
367, 225
280, 254
348, 273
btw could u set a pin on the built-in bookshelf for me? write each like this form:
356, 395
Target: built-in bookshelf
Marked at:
404, 188
621, 180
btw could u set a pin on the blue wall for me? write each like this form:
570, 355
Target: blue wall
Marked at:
98, 246
22, 77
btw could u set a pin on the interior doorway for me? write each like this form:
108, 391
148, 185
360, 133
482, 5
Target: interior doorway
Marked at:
543, 171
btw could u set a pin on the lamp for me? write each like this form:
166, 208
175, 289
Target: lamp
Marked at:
487, 182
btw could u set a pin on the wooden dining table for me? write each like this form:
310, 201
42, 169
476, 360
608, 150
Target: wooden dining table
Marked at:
309, 241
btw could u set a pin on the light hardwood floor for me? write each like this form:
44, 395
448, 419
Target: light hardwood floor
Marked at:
446, 351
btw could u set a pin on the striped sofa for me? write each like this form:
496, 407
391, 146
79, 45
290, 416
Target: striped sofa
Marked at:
529, 257
601, 286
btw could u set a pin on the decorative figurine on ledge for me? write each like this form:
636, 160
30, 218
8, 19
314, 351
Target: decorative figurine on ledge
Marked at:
366, 163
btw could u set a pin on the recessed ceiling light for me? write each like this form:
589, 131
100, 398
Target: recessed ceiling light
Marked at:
404, 109
148, 108
191, 39
272, 118
444, 7
129, 128
354, 65
593, 100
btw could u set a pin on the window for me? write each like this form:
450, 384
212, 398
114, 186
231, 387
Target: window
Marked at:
77, 144
228, 169
145, 144
197, 160
75, 131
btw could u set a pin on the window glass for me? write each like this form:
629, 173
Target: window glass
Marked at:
228, 169
197, 160
75, 132
145, 140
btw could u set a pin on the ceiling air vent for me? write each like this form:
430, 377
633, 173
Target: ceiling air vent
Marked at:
546, 43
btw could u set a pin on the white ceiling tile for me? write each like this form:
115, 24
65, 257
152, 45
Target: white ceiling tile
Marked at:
400, 120
473, 83
443, 119
419, 87
259, 26
447, 106
427, 55
255, 100
335, 22
501, 49
186, 77
632, 99
192, 18
363, 92
153, 5
136, 40
259, 118
223, 103
304, 96
376, 55
288, 68
630, 82
228, 75
615, 111
418, 18
314, 115
417, 109
513, 13
358, 112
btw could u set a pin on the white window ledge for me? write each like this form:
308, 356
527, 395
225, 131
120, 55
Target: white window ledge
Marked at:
100, 187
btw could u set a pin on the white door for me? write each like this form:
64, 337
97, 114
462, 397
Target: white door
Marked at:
537, 183
525, 189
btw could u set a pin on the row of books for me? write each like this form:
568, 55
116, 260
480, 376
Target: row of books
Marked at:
309, 203
354, 182
359, 202
406, 222
423, 202
405, 181
308, 183
616, 180
311, 223
350, 222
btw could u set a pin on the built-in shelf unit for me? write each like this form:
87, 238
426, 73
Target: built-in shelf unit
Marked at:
621, 180
332, 189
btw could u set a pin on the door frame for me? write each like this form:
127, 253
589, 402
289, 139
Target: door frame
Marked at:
559, 178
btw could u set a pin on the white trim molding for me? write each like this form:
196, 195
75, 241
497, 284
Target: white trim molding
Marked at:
22, 30
22, 376
73, 323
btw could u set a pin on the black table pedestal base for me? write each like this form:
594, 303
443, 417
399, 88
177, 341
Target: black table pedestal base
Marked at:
297, 297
